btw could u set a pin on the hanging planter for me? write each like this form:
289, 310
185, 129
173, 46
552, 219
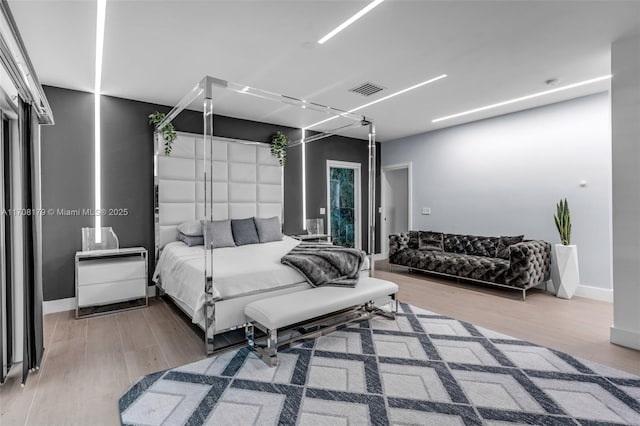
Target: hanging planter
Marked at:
565, 270
279, 143
168, 132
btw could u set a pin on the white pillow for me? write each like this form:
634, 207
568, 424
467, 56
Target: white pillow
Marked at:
192, 228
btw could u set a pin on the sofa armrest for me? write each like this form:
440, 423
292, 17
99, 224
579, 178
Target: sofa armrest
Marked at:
398, 242
529, 263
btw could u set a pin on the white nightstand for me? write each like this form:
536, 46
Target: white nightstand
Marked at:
314, 238
110, 280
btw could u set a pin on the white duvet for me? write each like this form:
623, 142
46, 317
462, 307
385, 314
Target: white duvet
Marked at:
238, 270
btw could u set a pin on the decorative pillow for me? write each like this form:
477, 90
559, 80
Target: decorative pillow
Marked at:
504, 243
191, 228
217, 234
244, 231
430, 240
269, 229
191, 240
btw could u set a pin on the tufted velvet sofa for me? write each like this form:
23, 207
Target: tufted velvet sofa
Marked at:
504, 261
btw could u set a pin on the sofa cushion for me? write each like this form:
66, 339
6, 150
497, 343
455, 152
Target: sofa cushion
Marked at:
471, 244
430, 240
461, 265
482, 246
454, 243
413, 240
504, 243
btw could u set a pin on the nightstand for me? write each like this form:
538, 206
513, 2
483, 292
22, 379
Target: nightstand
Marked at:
110, 280
314, 238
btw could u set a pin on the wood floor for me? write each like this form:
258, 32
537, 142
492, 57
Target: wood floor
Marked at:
90, 363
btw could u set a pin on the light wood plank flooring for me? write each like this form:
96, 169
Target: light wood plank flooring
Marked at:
90, 363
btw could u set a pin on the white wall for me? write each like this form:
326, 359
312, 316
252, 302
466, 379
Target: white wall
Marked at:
625, 108
504, 175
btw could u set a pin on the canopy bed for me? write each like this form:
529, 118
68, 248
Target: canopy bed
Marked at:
225, 182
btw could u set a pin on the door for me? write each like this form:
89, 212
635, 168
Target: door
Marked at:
396, 202
343, 203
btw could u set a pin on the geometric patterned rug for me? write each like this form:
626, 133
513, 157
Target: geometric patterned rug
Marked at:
421, 369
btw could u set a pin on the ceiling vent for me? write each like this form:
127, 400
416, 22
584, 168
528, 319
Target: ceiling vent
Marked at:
367, 89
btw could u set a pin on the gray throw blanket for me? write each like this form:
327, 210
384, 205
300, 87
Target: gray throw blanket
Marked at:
323, 264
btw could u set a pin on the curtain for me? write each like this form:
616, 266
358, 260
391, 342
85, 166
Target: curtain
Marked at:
33, 336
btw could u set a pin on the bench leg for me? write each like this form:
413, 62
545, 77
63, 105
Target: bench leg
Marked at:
268, 352
272, 348
394, 309
249, 334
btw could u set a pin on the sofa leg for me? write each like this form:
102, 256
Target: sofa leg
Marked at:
524, 294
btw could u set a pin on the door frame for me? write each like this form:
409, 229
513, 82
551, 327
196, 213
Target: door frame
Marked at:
384, 247
357, 193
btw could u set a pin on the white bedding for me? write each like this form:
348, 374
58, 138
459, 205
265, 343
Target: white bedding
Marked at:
238, 270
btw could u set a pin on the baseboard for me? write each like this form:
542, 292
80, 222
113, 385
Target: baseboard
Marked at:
60, 305
627, 338
69, 304
596, 293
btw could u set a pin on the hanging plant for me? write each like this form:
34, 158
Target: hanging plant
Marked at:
279, 143
168, 132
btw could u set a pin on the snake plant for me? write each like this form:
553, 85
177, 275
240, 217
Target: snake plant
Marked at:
563, 221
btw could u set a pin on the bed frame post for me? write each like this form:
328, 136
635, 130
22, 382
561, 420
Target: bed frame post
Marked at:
209, 306
372, 196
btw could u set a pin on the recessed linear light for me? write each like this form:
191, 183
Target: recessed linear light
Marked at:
100, 22
399, 92
350, 21
524, 98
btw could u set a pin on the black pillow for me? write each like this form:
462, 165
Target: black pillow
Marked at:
504, 243
244, 231
431, 241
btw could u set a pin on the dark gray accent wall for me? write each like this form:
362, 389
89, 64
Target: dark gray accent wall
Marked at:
67, 183
342, 149
127, 174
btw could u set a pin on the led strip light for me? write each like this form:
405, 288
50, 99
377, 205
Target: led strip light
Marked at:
350, 21
100, 22
523, 98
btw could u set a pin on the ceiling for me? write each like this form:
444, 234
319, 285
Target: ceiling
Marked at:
492, 51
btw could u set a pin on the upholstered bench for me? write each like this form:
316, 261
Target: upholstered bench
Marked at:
322, 303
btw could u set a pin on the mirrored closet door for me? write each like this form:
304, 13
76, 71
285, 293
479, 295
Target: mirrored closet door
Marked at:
6, 294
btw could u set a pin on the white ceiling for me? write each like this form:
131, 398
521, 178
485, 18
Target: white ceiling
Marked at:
492, 51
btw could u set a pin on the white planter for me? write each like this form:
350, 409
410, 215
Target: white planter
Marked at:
565, 273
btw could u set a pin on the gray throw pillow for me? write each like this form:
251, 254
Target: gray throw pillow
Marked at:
191, 240
430, 241
244, 231
504, 243
217, 234
268, 229
191, 228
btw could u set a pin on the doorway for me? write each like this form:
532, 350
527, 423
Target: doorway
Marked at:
396, 202
343, 203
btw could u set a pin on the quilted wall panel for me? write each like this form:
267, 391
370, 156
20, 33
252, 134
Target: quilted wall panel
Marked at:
247, 181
